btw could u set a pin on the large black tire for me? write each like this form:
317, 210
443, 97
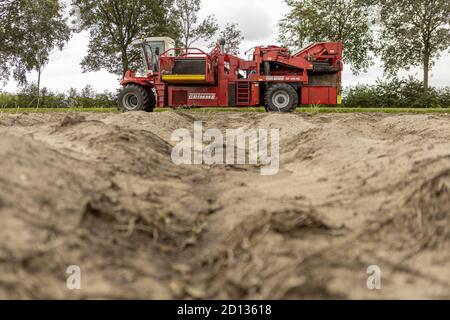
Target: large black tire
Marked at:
134, 97
281, 97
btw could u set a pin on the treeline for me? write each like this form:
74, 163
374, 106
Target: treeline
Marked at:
86, 98
402, 34
43, 27
32, 31
396, 93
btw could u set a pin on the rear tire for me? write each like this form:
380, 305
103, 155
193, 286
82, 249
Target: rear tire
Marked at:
281, 97
136, 98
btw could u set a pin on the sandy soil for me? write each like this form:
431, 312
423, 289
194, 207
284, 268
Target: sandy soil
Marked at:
100, 191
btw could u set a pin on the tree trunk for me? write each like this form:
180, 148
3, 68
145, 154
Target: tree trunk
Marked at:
125, 62
426, 70
39, 87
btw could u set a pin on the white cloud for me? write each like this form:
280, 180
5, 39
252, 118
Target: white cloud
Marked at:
256, 18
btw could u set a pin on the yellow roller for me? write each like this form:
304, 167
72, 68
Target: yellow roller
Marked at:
183, 78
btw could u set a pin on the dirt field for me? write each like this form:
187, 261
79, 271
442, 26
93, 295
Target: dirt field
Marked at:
100, 191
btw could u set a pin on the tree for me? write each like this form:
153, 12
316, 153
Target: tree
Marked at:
232, 37
189, 28
29, 31
330, 20
115, 24
42, 59
72, 97
88, 92
413, 33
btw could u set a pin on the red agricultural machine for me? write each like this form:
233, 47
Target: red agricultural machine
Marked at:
271, 77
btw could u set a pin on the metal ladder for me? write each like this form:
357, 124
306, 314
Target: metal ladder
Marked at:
243, 93
160, 91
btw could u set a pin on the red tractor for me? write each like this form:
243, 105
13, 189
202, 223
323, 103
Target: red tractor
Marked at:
271, 77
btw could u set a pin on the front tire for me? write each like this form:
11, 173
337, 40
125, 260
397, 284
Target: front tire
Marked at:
281, 97
136, 98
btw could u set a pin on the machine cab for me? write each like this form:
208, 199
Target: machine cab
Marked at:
152, 48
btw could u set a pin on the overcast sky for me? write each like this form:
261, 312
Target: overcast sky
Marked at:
257, 20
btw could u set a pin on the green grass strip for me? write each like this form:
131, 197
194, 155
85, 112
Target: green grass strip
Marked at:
311, 110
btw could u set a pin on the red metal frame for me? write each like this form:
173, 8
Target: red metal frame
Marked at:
167, 61
130, 78
232, 81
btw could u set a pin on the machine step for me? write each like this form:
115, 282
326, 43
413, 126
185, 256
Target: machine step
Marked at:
160, 94
243, 93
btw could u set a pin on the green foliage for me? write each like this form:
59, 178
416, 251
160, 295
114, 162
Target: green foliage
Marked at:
347, 21
374, 110
52, 110
190, 30
29, 31
115, 24
87, 98
259, 110
232, 37
413, 33
396, 93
